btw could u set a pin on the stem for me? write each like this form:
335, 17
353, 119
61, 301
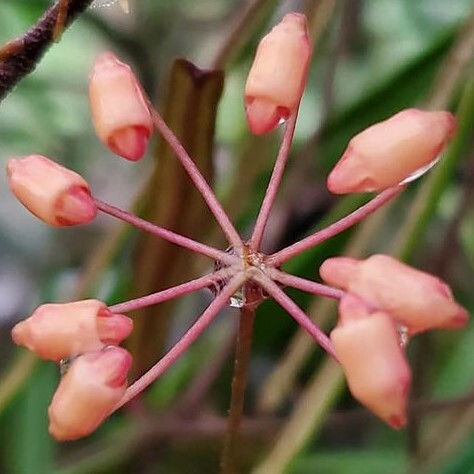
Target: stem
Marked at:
304, 285
166, 234
239, 383
173, 292
21, 56
273, 184
60, 20
185, 342
336, 228
199, 181
295, 312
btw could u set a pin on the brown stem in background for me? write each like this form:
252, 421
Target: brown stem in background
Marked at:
60, 19
20, 57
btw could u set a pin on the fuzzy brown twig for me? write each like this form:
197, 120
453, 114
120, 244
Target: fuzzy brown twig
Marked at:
20, 57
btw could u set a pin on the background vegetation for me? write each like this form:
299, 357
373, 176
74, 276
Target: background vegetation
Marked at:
372, 58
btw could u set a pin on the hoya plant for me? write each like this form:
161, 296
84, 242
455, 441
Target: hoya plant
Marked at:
382, 302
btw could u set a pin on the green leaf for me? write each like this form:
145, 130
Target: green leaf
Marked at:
342, 462
29, 447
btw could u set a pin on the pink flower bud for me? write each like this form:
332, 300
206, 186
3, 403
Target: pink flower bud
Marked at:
389, 152
54, 194
59, 331
415, 299
377, 372
88, 392
277, 78
119, 110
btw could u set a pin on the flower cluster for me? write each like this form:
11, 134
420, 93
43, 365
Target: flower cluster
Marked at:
84, 334
380, 299
385, 302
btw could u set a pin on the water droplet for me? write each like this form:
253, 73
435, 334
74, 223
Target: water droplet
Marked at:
403, 335
420, 172
102, 3
108, 3
237, 300
282, 121
64, 365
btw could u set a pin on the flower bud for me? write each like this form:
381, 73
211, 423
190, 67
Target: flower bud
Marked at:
377, 372
54, 194
93, 385
388, 153
59, 331
119, 110
277, 78
415, 299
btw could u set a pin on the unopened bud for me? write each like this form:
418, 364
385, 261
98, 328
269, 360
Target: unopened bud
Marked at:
119, 110
93, 385
277, 78
396, 150
59, 331
54, 194
368, 349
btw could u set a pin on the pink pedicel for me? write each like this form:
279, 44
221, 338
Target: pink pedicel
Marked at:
93, 385
388, 153
119, 109
277, 78
60, 331
53, 193
367, 346
415, 299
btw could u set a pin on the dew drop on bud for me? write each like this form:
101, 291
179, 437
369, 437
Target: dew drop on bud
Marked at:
403, 335
64, 365
419, 172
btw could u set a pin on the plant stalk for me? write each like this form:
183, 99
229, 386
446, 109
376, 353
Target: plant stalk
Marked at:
243, 351
166, 234
204, 320
199, 181
173, 292
274, 183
